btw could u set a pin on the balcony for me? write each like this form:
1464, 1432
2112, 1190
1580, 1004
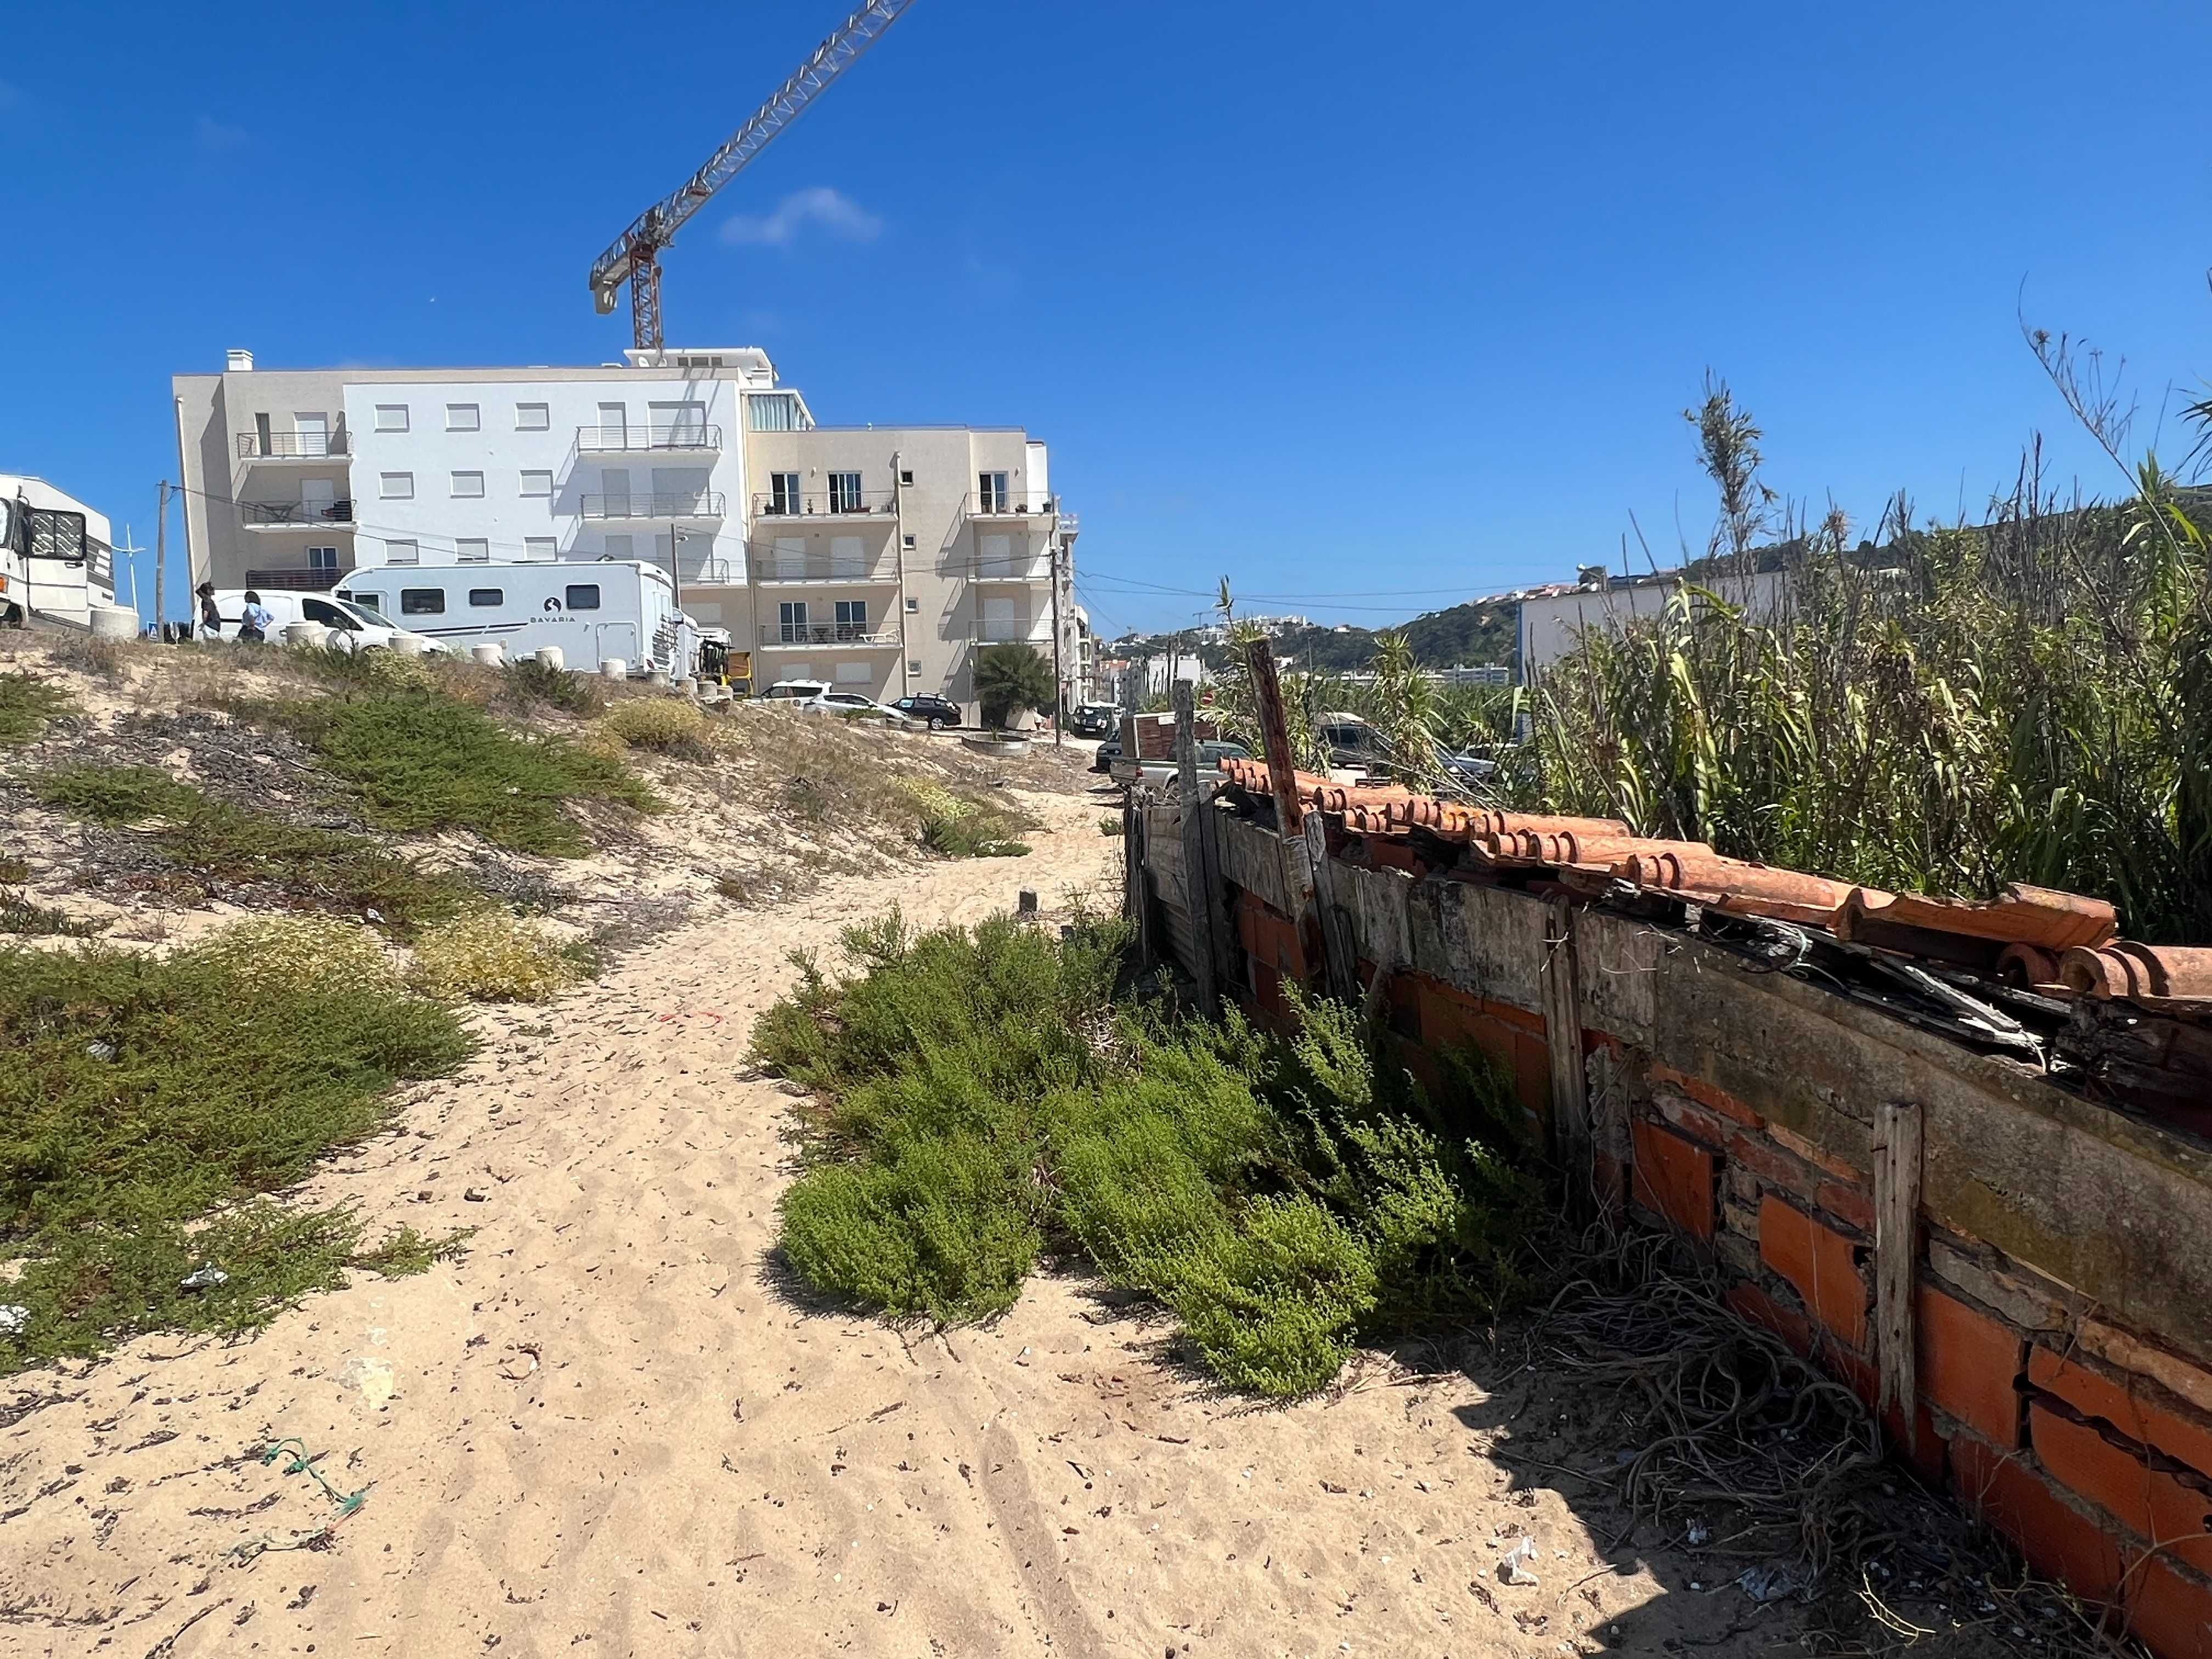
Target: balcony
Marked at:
1013, 507
299, 579
690, 437
1017, 632
776, 636
296, 515
826, 504
823, 573
1037, 569
293, 446
692, 507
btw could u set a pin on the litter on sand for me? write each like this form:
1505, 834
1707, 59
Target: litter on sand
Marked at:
205, 1277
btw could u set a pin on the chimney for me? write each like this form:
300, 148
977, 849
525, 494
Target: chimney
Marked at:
236, 362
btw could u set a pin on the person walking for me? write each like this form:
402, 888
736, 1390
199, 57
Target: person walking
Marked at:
253, 622
211, 617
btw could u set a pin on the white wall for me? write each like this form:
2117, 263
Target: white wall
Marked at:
506, 518
1551, 628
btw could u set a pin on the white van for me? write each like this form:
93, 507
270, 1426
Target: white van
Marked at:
353, 627
594, 612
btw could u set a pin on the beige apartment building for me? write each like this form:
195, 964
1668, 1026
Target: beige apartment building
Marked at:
877, 558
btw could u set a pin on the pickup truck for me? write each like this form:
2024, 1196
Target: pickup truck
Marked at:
1159, 771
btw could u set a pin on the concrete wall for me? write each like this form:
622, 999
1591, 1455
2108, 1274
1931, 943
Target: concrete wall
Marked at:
1552, 627
2063, 1276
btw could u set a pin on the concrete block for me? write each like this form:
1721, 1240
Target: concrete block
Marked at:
1822, 1263
2128, 1404
1970, 1367
2147, 1501
1674, 1178
2061, 1539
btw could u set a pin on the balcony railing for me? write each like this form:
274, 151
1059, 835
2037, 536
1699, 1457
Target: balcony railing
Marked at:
626, 439
1014, 633
1014, 504
827, 634
300, 515
825, 503
291, 445
298, 579
1011, 570
825, 571
690, 504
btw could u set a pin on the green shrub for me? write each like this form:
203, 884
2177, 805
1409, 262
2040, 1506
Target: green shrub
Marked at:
20, 914
980, 1095
662, 723
960, 827
137, 1093
28, 706
422, 760
563, 689
218, 845
494, 956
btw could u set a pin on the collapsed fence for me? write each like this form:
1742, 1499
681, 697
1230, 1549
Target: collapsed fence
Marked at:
1955, 1154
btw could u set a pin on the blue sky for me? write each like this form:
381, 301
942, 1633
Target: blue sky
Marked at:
1335, 299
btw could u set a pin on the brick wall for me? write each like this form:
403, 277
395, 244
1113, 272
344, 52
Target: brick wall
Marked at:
2057, 1400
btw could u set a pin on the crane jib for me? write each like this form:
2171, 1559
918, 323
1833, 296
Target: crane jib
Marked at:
654, 228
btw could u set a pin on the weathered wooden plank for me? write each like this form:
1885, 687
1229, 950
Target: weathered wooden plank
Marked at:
1274, 736
1376, 900
1563, 1037
1252, 858
1200, 888
1337, 949
1897, 1166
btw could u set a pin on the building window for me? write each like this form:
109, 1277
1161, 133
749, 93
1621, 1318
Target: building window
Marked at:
991, 492
914, 607
782, 493
487, 596
421, 601
907, 541
322, 558
538, 484
582, 596
532, 417
395, 486
540, 549
392, 417
790, 622
854, 673
463, 417
468, 486
472, 551
906, 475
852, 618
914, 665
772, 412
844, 492
402, 553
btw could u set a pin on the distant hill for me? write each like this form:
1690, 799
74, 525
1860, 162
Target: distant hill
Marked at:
1466, 634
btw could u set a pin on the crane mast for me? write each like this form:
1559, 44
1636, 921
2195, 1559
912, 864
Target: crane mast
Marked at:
636, 257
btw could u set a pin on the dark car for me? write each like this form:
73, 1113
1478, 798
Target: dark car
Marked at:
1108, 752
1094, 719
935, 710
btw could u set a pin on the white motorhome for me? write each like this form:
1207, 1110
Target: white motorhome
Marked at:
607, 610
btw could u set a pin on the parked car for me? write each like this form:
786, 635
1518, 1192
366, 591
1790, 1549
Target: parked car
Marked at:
1094, 719
1108, 752
936, 711
355, 623
795, 690
850, 702
1210, 754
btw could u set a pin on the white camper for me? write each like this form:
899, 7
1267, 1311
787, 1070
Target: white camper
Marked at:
604, 610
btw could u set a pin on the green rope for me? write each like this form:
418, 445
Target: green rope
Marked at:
302, 1462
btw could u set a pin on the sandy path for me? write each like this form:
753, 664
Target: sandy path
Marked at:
695, 1464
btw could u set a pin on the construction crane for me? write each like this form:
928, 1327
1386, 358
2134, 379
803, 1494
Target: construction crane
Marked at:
635, 257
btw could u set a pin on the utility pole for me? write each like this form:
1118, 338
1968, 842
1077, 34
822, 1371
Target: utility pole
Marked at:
161, 565
1058, 685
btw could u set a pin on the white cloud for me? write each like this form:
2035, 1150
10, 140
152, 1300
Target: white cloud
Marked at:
829, 210
213, 138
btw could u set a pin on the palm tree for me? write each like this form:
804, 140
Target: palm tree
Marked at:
1010, 678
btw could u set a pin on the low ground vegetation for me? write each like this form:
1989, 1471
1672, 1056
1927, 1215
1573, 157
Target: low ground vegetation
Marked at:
28, 705
147, 1103
488, 954
982, 1098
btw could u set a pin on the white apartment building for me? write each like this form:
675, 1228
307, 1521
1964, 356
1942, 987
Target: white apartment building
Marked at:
879, 558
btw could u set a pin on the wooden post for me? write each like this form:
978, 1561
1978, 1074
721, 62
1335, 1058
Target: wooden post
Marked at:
1897, 1157
1275, 737
1201, 892
1339, 955
1562, 1035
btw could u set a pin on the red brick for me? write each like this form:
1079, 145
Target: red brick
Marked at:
1674, 1178
1690, 1119
1531, 1075
2094, 1393
1853, 1370
1850, 1204
1970, 1367
1519, 1018
1706, 1094
1755, 1306
2059, 1539
1791, 1141
2146, 1500
1819, 1262
1772, 1165
2171, 1611
1923, 1450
